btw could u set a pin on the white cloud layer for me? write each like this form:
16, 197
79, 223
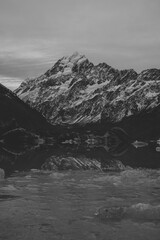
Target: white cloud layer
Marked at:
23, 50
10, 82
36, 33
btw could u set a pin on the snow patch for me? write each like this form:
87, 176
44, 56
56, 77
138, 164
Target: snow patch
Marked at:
151, 94
67, 71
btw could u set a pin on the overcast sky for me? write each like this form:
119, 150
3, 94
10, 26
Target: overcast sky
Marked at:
36, 33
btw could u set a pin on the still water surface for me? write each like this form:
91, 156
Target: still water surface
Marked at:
72, 205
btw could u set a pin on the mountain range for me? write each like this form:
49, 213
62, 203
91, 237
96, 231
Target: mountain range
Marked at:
75, 92
79, 105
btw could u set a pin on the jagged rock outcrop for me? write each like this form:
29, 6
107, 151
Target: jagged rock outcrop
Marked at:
75, 91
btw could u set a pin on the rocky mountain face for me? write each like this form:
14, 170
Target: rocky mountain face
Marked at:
75, 91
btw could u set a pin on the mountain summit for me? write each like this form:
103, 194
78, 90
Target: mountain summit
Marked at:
75, 91
75, 63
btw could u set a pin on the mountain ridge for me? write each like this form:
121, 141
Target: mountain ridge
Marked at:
75, 91
17, 114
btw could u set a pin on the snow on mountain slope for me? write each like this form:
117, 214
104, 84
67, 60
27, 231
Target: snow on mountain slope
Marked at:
74, 90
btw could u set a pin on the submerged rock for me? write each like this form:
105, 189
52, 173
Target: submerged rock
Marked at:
70, 163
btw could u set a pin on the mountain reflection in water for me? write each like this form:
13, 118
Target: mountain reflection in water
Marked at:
114, 151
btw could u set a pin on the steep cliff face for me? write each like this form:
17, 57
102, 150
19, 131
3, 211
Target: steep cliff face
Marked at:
75, 91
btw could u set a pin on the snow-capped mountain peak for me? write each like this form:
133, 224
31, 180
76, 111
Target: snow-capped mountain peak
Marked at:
67, 65
75, 90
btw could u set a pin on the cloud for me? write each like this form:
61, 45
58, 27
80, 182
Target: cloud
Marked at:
27, 58
122, 33
16, 49
10, 82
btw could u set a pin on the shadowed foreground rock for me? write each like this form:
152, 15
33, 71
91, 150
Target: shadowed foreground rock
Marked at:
70, 163
81, 163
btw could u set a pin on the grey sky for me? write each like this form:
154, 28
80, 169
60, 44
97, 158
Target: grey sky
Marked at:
36, 33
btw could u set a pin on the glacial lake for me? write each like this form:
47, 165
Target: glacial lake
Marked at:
83, 203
